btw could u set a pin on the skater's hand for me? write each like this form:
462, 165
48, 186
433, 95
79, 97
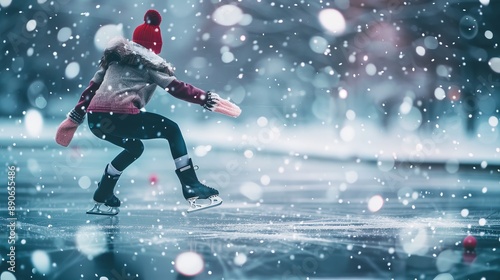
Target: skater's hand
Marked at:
215, 103
65, 132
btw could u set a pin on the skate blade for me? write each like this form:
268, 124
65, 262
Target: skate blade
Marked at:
110, 211
193, 206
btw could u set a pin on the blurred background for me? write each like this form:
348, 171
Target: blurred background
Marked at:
348, 106
348, 68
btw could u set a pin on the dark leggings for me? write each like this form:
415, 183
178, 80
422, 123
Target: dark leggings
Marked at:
126, 130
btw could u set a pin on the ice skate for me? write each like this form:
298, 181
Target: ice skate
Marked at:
108, 211
193, 190
215, 200
104, 196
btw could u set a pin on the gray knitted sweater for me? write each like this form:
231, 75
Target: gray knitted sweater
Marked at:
127, 79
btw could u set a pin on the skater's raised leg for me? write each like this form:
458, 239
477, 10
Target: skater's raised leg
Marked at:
192, 189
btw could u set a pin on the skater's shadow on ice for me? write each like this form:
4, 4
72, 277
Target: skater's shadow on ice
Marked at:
96, 240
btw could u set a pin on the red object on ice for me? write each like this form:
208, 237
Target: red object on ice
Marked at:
469, 257
470, 242
153, 179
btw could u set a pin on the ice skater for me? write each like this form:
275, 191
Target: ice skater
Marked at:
128, 75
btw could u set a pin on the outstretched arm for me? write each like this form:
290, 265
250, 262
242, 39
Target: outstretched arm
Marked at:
209, 100
184, 91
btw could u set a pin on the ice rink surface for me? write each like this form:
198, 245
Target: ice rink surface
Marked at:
284, 216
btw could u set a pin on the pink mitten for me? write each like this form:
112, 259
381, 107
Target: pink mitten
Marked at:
216, 104
227, 108
65, 132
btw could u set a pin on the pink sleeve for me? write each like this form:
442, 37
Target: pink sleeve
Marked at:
187, 92
89, 92
86, 97
78, 113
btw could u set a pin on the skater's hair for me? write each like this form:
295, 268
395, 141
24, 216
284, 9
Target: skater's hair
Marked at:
108, 57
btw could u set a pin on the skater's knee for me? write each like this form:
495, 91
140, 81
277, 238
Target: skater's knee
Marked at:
172, 131
139, 150
136, 148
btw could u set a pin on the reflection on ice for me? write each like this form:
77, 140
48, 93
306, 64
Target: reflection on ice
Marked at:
189, 263
41, 261
91, 241
240, 259
447, 259
444, 276
414, 240
6, 275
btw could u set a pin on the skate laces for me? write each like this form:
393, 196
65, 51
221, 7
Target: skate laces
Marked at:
207, 186
196, 167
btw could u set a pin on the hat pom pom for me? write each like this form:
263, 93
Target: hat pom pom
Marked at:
152, 17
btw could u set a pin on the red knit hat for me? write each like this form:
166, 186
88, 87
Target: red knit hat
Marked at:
148, 34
